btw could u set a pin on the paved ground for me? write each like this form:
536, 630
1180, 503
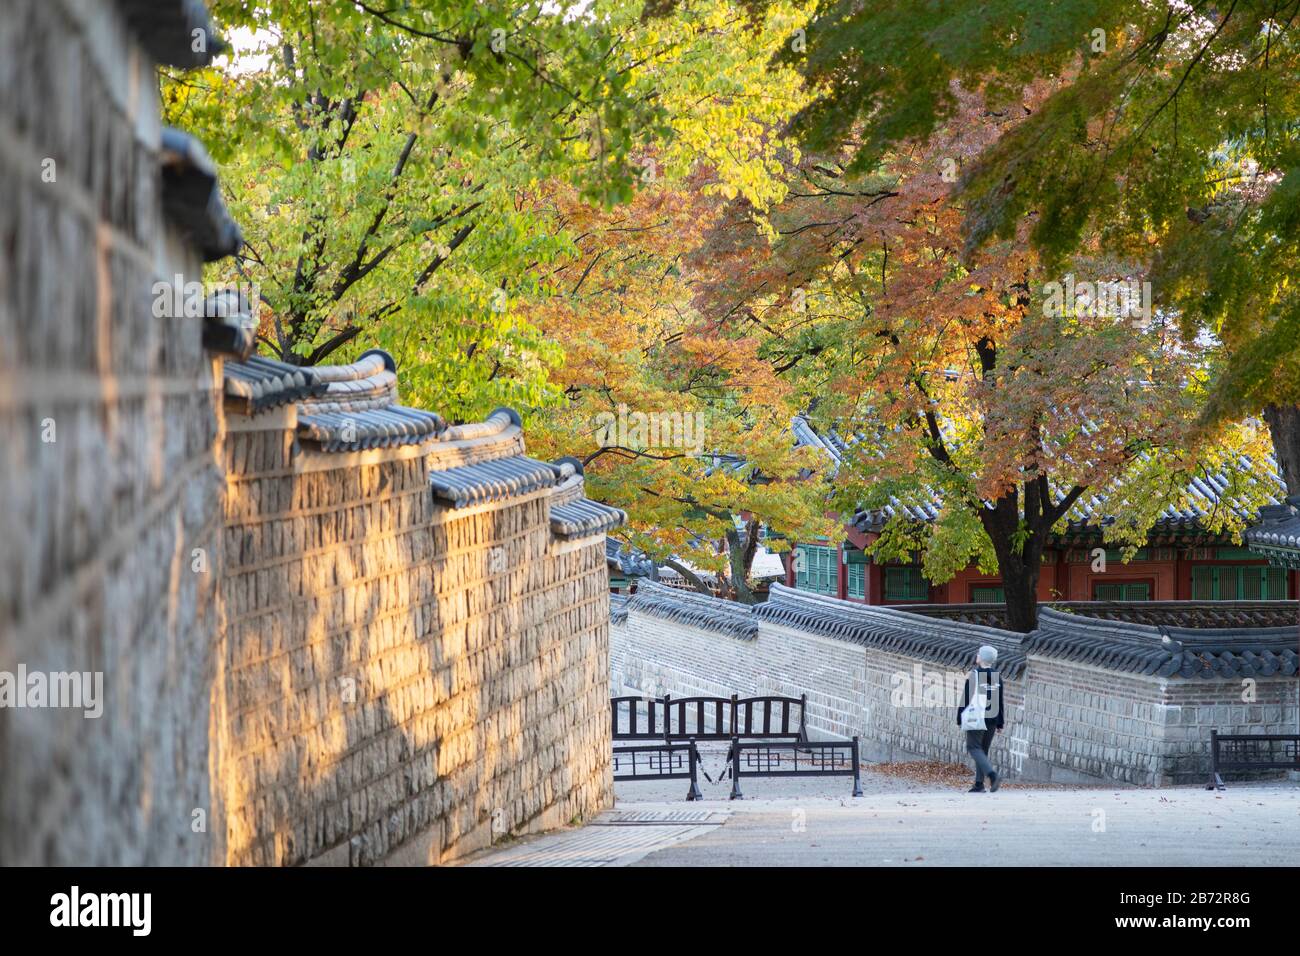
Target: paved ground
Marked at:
815, 822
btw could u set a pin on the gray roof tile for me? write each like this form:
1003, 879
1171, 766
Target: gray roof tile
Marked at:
192, 198
167, 30
384, 427
630, 563
951, 643
494, 480
1176, 652
259, 384
694, 609
582, 517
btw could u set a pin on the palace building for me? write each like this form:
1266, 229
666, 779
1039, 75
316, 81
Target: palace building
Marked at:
1182, 559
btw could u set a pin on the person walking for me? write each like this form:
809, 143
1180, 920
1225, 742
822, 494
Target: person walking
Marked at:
981, 715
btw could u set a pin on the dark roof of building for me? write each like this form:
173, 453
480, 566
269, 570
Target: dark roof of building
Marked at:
951, 643
1277, 536
694, 609
192, 197
629, 563
1194, 614
174, 32
1176, 652
1205, 495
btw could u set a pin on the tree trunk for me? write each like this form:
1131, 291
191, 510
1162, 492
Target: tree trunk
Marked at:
1020, 587
1284, 426
693, 579
740, 556
1019, 568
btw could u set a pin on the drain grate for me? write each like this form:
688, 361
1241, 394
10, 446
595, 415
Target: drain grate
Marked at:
652, 818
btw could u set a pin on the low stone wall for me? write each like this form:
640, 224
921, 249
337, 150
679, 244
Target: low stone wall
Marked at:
893, 679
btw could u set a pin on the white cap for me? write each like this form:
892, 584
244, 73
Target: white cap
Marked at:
987, 655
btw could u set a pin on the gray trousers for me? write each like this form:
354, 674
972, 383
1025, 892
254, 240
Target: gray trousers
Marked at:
978, 743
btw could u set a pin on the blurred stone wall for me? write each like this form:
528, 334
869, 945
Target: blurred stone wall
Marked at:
108, 437
375, 679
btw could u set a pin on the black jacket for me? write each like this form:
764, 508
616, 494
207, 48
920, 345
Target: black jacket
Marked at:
990, 681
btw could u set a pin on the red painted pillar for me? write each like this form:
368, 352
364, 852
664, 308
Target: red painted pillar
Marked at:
841, 573
875, 584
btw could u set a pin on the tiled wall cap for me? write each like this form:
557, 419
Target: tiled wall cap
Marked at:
695, 610
1193, 614
229, 327
584, 517
952, 643
487, 481
1208, 653
192, 198
174, 32
371, 363
386, 427
258, 384
495, 424
618, 608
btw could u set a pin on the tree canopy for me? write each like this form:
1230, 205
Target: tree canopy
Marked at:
664, 229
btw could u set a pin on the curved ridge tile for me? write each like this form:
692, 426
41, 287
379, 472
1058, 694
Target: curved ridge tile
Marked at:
951, 643
492, 480
696, 610
583, 517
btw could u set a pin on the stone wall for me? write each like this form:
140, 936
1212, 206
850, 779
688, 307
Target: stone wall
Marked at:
108, 438
406, 681
649, 654
893, 679
305, 648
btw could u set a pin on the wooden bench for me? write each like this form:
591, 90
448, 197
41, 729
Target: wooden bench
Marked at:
671, 718
665, 761
819, 758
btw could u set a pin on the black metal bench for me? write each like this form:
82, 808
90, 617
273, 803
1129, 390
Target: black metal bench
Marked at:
709, 718
1238, 752
666, 761
815, 758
